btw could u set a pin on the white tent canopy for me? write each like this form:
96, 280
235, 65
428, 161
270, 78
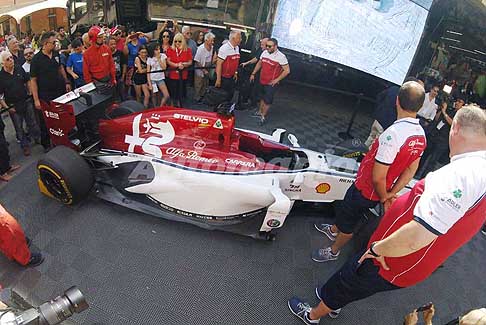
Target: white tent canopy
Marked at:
20, 13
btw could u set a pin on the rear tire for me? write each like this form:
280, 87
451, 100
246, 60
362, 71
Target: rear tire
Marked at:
65, 175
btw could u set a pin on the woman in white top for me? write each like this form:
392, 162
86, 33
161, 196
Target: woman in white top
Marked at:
157, 62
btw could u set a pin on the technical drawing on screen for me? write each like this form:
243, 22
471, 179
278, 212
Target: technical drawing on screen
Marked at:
379, 37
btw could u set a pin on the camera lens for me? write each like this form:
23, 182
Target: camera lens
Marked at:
63, 307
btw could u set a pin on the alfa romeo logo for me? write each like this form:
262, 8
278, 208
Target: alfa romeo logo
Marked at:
199, 144
273, 223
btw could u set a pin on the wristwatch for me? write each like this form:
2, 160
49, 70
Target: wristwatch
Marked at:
372, 252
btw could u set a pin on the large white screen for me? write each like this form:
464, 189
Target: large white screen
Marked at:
377, 37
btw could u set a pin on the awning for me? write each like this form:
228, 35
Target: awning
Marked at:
20, 13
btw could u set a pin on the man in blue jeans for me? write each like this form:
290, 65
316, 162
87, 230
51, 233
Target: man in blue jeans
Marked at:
13, 84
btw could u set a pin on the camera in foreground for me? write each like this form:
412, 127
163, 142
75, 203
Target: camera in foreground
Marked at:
49, 313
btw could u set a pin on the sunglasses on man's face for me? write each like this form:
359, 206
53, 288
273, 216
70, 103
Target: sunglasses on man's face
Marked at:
269, 46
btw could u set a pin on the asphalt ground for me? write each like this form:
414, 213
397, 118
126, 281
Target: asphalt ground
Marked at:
138, 269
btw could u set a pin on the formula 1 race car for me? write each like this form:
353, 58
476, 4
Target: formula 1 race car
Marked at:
183, 165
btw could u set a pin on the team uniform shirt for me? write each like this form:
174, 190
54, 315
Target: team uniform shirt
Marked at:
399, 146
204, 58
50, 83
98, 63
231, 57
272, 66
451, 203
155, 66
177, 56
429, 108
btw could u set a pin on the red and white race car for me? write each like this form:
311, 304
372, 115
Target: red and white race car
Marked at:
184, 165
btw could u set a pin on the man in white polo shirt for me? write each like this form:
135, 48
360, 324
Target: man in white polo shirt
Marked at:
389, 165
228, 62
421, 230
203, 59
427, 113
275, 68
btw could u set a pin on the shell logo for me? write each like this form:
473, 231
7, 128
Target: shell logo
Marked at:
323, 188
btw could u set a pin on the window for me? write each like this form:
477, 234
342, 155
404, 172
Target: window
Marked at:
242, 12
28, 24
52, 19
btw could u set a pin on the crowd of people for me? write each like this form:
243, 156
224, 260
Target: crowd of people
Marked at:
154, 71
418, 231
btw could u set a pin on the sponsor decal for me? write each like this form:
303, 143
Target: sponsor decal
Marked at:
453, 204
206, 217
52, 115
162, 133
104, 54
346, 180
191, 118
273, 223
293, 188
457, 193
155, 116
414, 143
218, 124
199, 144
192, 155
323, 188
388, 138
237, 162
356, 142
58, 132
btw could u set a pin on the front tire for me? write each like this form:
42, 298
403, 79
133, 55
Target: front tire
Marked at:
64, 175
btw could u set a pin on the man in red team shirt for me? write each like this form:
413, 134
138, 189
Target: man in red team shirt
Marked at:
275, 68
227, 64
97, 60
421, 229
389, 165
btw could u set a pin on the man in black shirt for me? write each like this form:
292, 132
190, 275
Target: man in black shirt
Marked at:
48, 80
120, 61
438, 136
13, 82
18, 55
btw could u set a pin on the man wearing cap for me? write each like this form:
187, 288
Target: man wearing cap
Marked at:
438, 137
97, 60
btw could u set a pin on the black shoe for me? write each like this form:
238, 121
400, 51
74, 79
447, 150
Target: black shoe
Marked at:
28, 240
36, 259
